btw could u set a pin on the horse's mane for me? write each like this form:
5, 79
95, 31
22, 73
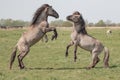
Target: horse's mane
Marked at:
37, 13
82, 22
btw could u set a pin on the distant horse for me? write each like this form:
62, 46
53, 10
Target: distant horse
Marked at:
81, 38
108, 32
38, 28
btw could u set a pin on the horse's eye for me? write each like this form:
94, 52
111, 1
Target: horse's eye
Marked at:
53, 10
76, 17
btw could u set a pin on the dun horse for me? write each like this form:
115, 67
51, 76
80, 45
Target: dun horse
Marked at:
38, 28
80, 38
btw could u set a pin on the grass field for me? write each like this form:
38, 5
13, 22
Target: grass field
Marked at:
46, 61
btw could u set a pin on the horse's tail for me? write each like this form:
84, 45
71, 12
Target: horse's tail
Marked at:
106, 57
13, 55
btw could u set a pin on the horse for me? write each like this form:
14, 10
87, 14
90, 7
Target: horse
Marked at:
108, 32
39, 26
80, 37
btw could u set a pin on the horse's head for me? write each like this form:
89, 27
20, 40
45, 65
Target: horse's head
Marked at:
78, 21
51, 12
42, 13
75, 17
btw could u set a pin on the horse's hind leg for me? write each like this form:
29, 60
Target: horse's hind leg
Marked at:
75, 51
95, 60
68, 46
20, 58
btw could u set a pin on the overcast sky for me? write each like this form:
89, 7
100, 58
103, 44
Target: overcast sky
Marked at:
92, 10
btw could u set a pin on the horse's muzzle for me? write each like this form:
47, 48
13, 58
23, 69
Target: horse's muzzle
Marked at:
68, 17
57, 15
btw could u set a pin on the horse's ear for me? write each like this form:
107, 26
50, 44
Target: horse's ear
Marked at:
46, 9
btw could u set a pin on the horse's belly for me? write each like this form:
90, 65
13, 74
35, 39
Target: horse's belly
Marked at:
34, 38
90, 44
87, 45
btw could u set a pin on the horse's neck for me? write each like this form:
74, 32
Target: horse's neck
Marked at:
80, 28
42, 17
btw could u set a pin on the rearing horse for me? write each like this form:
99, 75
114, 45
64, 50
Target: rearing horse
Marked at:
80, 38
38, 28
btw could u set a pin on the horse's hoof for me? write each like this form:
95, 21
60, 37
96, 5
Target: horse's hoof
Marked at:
66, 54
75, 60
46, 41
88, 68
22, 67
54, 37
106, 66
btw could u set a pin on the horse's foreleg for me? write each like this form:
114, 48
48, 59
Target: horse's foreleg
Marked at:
20, 58
52, 29
46, 38
68, 46
75, 51
54, 36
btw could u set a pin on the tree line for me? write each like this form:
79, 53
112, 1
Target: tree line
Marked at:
100, 23
57, 23
10, 23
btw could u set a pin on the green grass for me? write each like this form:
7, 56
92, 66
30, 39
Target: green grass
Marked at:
46, 61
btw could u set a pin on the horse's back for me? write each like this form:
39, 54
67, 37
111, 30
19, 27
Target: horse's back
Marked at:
89, 43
